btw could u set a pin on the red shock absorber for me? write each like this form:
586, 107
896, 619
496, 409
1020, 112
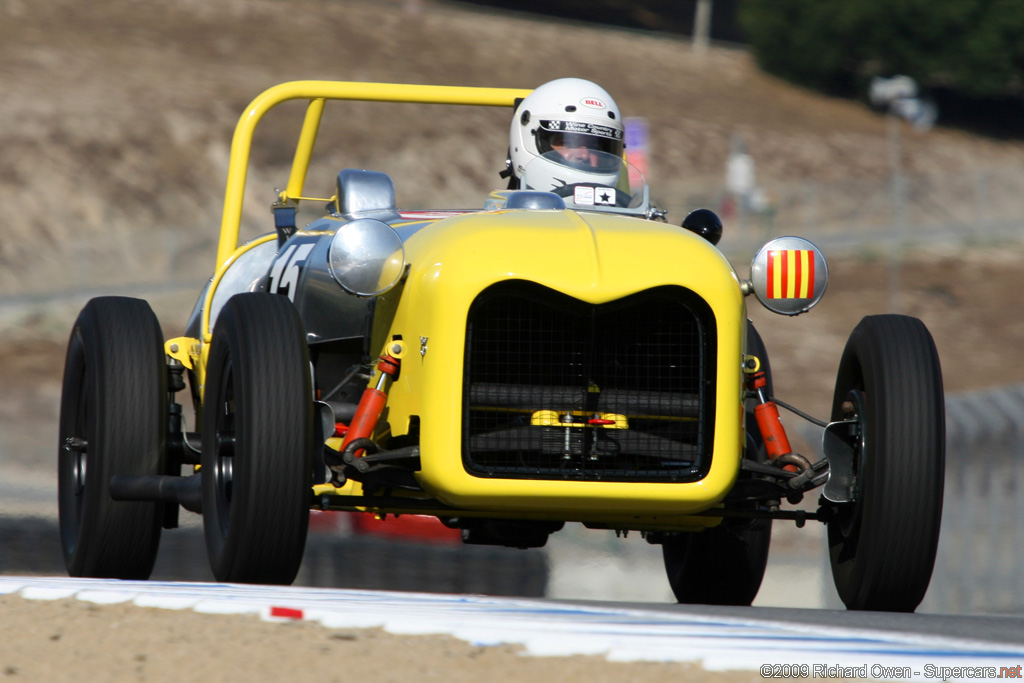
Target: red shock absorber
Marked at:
372, 403
768, 421
772, 431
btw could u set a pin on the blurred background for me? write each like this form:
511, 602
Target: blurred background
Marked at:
891, 134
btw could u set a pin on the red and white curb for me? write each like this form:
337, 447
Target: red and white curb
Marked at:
545, 628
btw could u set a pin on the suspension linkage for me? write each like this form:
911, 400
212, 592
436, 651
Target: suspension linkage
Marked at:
799, 472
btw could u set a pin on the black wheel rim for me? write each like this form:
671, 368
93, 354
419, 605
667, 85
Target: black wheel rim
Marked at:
846, 527
74, 439
79, 454
849, 514
224, 458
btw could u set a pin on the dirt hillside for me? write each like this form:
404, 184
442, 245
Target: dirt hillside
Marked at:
116, 117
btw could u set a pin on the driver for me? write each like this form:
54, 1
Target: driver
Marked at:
568, 131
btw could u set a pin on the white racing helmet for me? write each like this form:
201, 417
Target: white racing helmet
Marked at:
572, 117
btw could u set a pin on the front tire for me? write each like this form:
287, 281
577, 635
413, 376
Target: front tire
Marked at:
882, 546
113, 421
257, 441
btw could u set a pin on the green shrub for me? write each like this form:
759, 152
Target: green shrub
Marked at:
974, 47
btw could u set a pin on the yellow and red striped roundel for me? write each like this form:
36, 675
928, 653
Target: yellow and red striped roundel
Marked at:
790, 274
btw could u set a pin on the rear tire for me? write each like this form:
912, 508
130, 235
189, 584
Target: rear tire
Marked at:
257, 441
882, 546
113, 421
725, 565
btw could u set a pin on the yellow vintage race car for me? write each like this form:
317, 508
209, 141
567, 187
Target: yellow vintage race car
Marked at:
550, 357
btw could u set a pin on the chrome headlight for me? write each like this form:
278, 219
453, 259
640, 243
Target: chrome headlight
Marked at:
366, 257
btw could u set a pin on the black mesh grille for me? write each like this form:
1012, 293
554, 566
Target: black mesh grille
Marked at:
556, 388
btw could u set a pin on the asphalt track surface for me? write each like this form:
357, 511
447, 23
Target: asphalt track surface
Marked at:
889, 646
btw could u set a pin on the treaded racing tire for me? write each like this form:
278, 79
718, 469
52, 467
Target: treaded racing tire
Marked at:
882, 546
725, 565
113, 421
257, 441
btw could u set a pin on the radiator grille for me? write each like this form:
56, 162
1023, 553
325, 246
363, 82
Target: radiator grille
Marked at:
556, 388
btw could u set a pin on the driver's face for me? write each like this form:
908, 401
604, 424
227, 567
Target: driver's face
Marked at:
578, 155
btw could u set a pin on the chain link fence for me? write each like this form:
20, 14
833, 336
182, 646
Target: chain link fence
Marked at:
982, 206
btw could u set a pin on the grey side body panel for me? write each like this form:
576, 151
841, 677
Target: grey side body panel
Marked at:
299, 267
328, 312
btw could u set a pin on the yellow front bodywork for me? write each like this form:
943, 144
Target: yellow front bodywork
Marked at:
595, 258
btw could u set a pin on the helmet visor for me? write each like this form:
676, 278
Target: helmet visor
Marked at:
577, 142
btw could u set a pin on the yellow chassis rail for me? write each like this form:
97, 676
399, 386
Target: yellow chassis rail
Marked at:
318, 92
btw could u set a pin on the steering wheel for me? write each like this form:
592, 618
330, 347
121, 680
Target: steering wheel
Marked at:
622, 199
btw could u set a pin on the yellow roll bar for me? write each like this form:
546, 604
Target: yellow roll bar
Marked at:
318, 92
